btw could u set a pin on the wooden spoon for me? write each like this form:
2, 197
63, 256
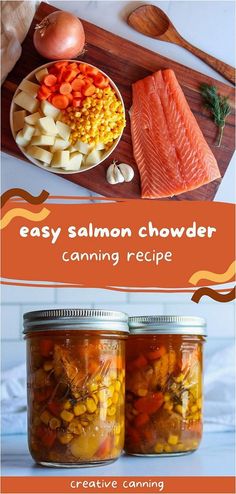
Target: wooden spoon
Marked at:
153, 22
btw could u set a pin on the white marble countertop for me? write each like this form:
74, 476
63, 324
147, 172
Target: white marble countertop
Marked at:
207, 24
214, 457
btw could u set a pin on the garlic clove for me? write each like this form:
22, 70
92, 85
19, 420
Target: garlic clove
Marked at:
110, 174
118, 175
127, 171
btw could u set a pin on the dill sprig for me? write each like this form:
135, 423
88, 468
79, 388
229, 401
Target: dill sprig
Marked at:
217, 105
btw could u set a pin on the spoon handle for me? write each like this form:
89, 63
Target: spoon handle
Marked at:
223, 68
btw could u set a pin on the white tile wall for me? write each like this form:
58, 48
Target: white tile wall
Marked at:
17, 300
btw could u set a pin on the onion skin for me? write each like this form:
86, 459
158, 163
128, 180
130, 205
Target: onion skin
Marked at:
59, 36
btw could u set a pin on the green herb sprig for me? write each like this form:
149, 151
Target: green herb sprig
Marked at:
218, 106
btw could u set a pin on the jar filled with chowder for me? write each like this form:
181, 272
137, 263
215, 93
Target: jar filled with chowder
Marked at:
76, 385
164, 392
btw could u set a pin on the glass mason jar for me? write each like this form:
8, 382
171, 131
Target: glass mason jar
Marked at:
164, 385
75, 380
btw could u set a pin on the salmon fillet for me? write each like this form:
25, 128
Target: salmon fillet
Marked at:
169, 148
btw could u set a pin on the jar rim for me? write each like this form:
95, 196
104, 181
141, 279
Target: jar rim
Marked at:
75, 319
167, 324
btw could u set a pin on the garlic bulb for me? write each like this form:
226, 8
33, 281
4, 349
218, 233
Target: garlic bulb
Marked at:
117, 174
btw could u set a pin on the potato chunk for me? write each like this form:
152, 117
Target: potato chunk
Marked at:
47, 126
29, 88
40, 154
93, 158
59, 145
74, 162
26, 101
49, 110
41, 74
33, 118
19, 119
43, 140
60, 159
63, 130
21, 140
27, 131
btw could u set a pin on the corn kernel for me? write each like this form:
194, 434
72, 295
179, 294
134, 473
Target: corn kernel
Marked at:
158, 448
194, 408
67, 416
45, 417
79, 409
75, 427
179, 409
172, 439
166, 397
67, 405
65, 437
54, 423
142, 392
91, 405
111, 411
115, 397
167, 448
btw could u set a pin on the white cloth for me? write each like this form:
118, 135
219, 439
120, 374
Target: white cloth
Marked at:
218, 390
16, 18
219, 410
13, 401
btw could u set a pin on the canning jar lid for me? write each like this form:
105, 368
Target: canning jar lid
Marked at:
75, 319
185, 325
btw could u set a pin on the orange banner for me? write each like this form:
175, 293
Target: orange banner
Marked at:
131, 244
118, 485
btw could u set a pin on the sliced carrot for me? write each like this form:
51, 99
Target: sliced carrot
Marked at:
104, 449
89, 90
76, 102
45, 90
83, 68
155, 354
70, 75
59, 65
92, 71
149, 404
65, 88
100, 81
73, 65
60, 101
77, 94
50, 80
77, 84
41, 96
141, 419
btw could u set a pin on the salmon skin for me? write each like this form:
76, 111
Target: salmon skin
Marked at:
169, 148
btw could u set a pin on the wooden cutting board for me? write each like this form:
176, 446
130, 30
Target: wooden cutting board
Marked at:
125, 63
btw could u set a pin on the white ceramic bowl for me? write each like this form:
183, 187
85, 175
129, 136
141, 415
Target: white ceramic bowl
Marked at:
14, 107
